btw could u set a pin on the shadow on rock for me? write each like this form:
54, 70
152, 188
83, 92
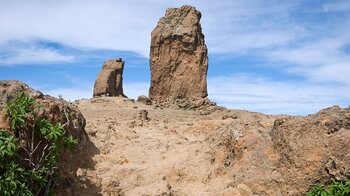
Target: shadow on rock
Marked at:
77, 183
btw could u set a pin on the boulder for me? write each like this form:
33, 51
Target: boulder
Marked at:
109, 81
144, 99
178, 58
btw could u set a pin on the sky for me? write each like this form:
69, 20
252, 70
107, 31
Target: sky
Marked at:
271, 56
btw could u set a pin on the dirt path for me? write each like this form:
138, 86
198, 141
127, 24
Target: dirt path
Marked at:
175, 152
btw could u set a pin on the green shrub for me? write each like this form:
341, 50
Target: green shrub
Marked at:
334, 189
18, 110
28, 168
7, 146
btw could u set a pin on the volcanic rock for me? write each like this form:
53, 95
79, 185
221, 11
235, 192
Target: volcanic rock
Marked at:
178, 58
109, 81
313, 149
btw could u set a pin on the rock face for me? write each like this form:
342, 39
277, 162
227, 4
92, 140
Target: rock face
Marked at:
178, 57
109, 81
287, 155
55, 111
313, 149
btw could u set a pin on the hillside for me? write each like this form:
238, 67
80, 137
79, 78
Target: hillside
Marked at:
211, 151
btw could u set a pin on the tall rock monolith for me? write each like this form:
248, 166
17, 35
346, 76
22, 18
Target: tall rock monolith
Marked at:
178, 58
109, 81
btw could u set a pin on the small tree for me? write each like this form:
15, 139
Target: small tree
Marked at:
29, 157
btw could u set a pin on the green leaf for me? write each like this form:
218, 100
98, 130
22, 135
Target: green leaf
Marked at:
324, 193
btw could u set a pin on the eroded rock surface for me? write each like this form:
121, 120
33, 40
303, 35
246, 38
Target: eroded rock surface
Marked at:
109, 81
313, 149
178, 58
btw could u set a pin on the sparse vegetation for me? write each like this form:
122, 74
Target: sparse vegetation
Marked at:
334, 189
29, 157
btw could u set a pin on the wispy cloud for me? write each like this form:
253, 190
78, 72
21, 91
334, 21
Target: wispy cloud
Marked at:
89, 24
238, 26
254, 93
45, 52
323, 60
14, 53
104, 25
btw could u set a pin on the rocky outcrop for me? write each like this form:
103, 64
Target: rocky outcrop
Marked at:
109, 81
178, 58
55, 110
313, 149
284, 155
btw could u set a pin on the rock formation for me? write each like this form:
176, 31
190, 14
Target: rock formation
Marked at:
109, 81
313, 149
178, 58
287, 155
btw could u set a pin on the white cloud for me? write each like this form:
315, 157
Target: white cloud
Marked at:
258, 94
121, 25
243, 42
324, 51
20, 53
86, 24
322, 60
229, 26
338, 72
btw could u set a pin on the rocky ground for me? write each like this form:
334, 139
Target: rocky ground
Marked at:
210, 151
174, 152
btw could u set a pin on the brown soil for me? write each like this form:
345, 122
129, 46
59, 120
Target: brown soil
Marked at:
174, 152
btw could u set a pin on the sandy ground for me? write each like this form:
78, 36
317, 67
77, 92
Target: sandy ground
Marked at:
174, 152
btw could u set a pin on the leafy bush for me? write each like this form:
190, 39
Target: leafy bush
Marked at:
334, 189
29, 159
18, 110
7, 146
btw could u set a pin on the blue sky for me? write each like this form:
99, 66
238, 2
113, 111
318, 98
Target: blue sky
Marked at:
276, 57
